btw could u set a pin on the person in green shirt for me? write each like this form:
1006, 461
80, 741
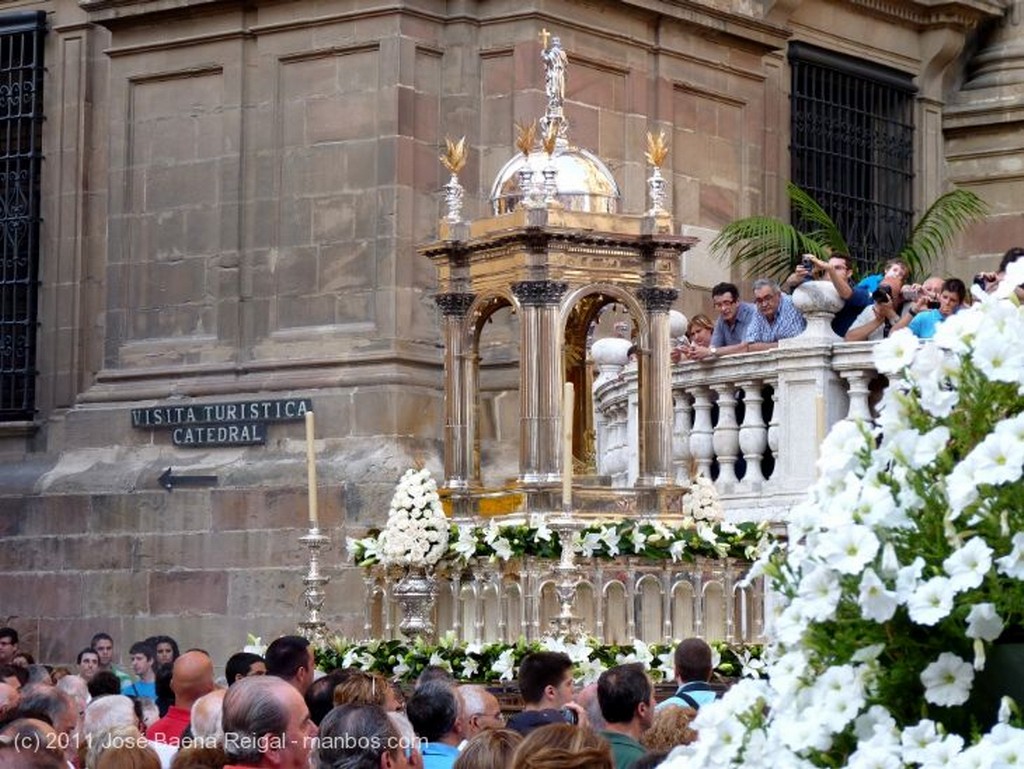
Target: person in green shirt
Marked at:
626, 696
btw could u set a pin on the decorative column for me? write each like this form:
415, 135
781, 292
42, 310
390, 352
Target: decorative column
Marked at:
540, 380
656, 390
458, 398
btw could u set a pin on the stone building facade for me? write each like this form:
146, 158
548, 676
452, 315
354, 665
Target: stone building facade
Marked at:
230, 198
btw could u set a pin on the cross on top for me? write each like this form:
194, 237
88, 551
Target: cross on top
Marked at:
544, 36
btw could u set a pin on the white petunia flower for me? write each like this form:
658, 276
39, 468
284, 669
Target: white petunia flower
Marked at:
818, 594
1012, 565
876, 602
931, 601
849, 549
895, 353
968, 565
984, 623
947, 681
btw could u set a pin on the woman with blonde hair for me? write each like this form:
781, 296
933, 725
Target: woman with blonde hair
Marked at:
671, 727
490, 749
699, 330
362, 688
563, 746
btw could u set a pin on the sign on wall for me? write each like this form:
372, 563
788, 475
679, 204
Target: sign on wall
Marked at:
239, 423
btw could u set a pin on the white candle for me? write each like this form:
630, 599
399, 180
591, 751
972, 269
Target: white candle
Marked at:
567, 405
314, 518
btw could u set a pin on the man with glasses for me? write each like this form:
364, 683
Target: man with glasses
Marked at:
777, 317
839, 270
481, 710
734, 317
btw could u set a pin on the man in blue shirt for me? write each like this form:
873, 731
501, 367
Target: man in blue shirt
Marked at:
142, 655
435, 712
951, 300
839, 270
777, 317
693, 671
734, 317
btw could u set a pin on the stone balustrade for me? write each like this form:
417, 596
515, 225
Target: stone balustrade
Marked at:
752, 422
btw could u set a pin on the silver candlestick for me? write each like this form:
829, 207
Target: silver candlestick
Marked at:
656, 182
314, 628
453, 196
566, 623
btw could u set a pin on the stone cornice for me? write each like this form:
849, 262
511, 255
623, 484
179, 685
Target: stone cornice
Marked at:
934, 13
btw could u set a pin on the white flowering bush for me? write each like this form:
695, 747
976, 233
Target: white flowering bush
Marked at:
905, 566
416, 532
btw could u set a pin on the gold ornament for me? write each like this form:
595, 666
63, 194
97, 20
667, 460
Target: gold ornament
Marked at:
454, 157
657, 149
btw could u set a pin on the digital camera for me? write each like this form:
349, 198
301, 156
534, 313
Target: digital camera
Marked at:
882, 294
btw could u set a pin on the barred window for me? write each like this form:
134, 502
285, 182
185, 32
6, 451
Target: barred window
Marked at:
21, 119
852, 147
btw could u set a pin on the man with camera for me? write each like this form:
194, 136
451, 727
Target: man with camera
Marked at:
884, 315
545, 683
989, 281
839, 270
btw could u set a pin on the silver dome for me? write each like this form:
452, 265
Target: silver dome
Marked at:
583, 181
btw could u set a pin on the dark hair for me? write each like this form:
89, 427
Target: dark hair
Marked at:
46, 703
725, 288
955, 286
693, 660
143, 647
845, 257
320, 694
104, 682
1011, 256
540, 670
239, 664
25, 656
162, 683
286, 656
9, 632
432, 710
367, 731
100, 637
87, 650
165, 639
14, 671
620, 690
434, 673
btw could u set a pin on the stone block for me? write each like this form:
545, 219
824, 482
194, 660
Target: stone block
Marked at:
188, 592
43, 595
55, 515
36, 554
266, 592
115, 592
88, 553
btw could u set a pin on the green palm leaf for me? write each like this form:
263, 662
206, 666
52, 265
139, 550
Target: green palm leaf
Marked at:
949, 215
815, 221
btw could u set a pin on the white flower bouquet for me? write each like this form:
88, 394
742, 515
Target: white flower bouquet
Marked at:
702, 502
416, 532
904, 575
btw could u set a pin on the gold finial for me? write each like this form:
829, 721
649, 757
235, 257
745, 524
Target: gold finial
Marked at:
544, 37
454, 157
550, 136
657, 149
526, 136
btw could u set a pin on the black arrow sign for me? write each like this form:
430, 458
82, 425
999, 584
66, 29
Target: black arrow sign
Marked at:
168, 480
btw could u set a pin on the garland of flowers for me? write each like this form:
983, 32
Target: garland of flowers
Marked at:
906, 568
650, 540
498, 662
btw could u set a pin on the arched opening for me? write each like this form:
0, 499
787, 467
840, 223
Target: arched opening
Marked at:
495, 369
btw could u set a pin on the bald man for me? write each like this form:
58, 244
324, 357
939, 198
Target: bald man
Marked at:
191, 678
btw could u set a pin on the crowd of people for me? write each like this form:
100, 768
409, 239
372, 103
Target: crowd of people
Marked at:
276, 711
872, 308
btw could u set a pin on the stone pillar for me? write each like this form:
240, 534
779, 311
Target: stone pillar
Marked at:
458, 396
540, 380
656, 390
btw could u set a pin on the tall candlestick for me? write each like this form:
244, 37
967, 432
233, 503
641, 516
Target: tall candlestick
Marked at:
314, 518
567, 406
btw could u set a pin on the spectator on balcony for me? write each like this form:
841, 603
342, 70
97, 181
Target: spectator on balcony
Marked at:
989, 281
925, 323
730, 330
777, 317
839, 270
879, 320
698, 334
545, 684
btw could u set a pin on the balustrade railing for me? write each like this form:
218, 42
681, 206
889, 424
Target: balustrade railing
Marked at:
753, 423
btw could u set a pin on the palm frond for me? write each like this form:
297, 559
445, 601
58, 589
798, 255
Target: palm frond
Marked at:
764, 245
810, 214
949, 215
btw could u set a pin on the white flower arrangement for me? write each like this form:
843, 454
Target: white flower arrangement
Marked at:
416, 533
905, 565
702, 503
